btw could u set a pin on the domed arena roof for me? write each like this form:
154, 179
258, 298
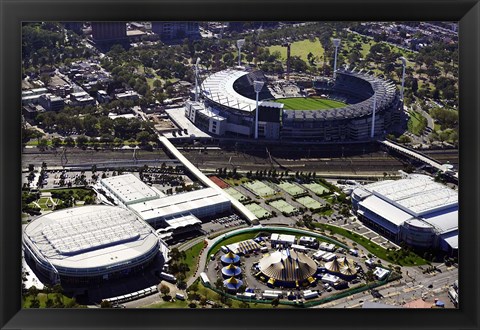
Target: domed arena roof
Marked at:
288, 266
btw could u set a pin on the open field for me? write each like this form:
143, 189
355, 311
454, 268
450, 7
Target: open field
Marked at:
259, 211
259, 188
292, 189
283, 206
309, 103
301, 49
310, 203
316, 188
416, 123
236, 194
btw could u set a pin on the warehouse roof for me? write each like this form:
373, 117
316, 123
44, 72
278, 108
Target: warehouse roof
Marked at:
179, 203
129, 189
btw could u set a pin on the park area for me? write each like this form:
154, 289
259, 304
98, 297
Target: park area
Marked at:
310, 203
309, 103
283, 207
236, 194
416, 123
317, 188
292, 189
300, 48
259, 188
258, 211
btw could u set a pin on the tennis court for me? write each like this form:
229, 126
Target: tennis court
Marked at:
236, 194
317, 188
310, 203
259, 211
283, 207
259, 188
292, 189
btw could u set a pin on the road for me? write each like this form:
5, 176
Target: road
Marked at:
405, 290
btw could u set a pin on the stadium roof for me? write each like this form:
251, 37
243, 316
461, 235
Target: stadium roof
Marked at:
384, 90
385, 209
178, 204
90, 237
129, 189
417, 194
218, 88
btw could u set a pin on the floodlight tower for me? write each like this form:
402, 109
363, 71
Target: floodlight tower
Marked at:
336, 43
373, 114
196, 78
240, 43
257, 85
404, 64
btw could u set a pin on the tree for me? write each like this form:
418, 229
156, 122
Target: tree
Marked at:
164, 289
275, 302
106, 304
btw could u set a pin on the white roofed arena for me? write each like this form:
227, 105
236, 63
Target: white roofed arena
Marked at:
416, 210
90, 244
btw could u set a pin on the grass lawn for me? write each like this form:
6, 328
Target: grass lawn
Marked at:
233, 239
416, 123
192, 257
301, 49
327, 213
42, 297
309, 103
235, 182
410, 260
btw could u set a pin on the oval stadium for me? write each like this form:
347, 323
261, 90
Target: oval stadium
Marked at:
319, 109
89, 244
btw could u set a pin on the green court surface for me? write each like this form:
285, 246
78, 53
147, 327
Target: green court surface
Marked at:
236, 194
283, 206
292, 189
309, 103
317, 188
258, 211
310, 203
259, 188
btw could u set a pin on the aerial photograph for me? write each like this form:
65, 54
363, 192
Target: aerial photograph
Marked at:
270, 164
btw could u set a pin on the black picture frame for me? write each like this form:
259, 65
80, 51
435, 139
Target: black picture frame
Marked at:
13, 12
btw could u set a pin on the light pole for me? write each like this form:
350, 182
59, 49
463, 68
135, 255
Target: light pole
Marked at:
336, 43
196, 78
404, 63
373, 114
240, 43
257, 86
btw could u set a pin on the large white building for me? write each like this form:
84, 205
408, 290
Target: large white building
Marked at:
416, 210
128, 189
201, 203
174, 212
90, 244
